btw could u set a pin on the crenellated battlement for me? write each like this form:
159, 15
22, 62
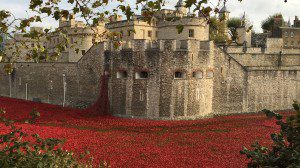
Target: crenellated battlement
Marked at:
273, 46
159, 45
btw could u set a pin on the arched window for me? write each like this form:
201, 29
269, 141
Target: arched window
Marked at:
142, 75
122, 74
198, 74
179, 75
209, 74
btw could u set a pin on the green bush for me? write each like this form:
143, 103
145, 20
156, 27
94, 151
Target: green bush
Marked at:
285, 151
16, 151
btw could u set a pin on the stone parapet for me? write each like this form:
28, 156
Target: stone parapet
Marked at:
160, 45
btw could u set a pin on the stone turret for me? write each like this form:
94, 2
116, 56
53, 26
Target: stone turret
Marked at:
244, 34
289, 23
223, 17
225, 13
67, 22
180, 8
145, 7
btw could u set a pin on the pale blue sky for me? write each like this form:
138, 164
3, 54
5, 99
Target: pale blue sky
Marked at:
256, 10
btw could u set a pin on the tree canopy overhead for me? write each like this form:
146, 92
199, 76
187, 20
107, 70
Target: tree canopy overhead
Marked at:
269, 23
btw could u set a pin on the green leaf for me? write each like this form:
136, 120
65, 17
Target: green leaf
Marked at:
46, 10
179, 28
56, 15
296, 106
271, 114
35, 3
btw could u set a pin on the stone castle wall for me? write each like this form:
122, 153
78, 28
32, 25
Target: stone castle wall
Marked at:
44, 81
160, 95
229, 84
250, 87
213, 81
272, 88
272, 78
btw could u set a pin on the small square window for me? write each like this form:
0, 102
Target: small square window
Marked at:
209, 74
82, 52
122, 75
141, 75
191, 32
198, 74
179, 75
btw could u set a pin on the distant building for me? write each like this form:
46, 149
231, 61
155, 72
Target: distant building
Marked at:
296, 22
159, 28
291, 34
81, 38
19, 47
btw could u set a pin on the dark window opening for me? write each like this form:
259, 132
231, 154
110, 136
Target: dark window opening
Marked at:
191, 33
149, 33
179, 75
141, 75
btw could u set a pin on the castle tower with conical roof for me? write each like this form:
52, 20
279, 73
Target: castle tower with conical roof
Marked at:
223, 17
180, 8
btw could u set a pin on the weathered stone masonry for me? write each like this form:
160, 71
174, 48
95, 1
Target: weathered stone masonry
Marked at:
160, 95
45, 80
166, 79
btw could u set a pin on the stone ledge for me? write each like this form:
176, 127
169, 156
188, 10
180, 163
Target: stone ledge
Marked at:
166, 118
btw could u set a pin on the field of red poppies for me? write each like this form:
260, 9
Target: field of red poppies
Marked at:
123, 142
